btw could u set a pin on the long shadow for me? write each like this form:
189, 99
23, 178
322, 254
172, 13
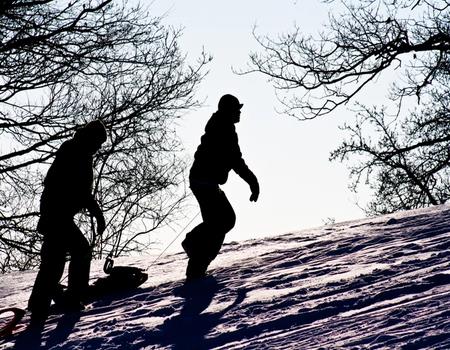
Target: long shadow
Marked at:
28, 339
31, 338
63, 329
188, 329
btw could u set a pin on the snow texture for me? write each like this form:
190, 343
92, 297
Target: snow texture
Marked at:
379, 283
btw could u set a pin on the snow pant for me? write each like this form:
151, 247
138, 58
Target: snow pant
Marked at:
61, 237
203, 243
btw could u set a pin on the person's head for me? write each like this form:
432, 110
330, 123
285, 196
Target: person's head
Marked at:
91, 136
230, 105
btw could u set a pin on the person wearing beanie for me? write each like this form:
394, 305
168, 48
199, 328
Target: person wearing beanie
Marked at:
217, 154
67, 191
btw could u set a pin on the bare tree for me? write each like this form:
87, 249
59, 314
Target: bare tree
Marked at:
64, 63
354, 49
404, 160
403, 155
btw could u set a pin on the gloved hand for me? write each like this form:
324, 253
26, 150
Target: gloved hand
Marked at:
254, 187
101, 224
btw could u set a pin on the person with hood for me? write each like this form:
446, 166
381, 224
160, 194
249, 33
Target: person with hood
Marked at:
217, 154
67, 191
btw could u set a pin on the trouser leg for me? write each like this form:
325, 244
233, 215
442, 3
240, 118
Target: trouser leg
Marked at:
50, 271
80, 263
206, 239
191, 241
218, 219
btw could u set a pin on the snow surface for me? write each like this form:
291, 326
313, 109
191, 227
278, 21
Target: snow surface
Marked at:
379, 283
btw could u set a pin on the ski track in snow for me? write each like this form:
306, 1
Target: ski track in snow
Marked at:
379, 283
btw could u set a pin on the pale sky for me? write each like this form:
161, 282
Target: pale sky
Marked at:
300, 187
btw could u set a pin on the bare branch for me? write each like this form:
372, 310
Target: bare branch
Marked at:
328, 71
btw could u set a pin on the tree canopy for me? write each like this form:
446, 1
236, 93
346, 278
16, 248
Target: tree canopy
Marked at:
399, 149
316, 74
64, 63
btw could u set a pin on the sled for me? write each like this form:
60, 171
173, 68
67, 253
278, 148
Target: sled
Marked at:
119, 279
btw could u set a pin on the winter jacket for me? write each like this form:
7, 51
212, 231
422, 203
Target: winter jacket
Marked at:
68, 184
218, 153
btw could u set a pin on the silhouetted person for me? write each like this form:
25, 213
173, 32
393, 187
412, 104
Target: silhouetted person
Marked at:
67, 191
217, 154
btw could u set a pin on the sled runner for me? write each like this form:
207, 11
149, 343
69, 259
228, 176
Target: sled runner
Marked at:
9, 318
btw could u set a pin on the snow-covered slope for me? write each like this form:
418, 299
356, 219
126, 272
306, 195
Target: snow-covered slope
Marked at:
381, 283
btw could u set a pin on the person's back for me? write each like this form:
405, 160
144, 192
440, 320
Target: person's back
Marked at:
217, 152
67, 185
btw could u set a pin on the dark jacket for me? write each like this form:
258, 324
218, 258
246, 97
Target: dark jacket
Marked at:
68, 184
218, 153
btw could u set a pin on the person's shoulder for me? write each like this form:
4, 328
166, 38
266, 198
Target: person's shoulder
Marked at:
66, 145
67, 148
220, 124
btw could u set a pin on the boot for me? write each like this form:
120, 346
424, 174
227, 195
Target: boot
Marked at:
196, 268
